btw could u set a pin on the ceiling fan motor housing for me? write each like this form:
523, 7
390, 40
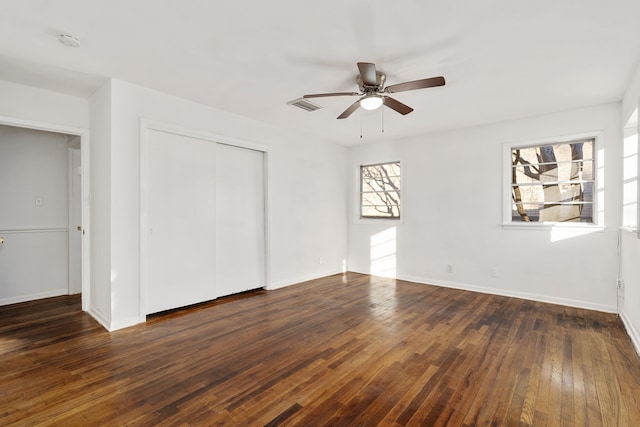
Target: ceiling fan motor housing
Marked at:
381, 78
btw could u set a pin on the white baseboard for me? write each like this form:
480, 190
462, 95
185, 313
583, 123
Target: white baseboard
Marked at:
301, 279
124, 323
631, 331
514, 294
502, 292
31, 297
99, 317
108, 324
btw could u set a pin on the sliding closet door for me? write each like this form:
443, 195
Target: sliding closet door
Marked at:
181, 221
240, 219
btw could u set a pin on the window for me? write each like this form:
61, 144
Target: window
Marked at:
630, 173
380, 190
553, 182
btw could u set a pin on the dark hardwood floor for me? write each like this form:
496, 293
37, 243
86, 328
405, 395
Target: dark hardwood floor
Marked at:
344, 350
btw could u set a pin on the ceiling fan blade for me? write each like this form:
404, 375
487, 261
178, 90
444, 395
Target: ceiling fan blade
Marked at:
368, 73
416, 84
394, 104
321, 95
353, 107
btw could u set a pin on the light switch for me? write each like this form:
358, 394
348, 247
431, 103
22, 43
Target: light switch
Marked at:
38, 201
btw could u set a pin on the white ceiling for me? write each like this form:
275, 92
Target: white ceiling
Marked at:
502, 59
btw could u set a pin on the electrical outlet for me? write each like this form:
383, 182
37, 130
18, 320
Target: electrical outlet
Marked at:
320, 260
449, 268
620, 288
494, 272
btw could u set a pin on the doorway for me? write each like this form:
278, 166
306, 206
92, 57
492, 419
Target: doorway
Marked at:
41, 211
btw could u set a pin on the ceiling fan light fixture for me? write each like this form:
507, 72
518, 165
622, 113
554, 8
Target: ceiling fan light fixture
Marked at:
371, 102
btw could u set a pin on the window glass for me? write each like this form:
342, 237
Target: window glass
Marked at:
380, 190
553, 182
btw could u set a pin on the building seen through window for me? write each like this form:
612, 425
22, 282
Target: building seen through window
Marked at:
553, 182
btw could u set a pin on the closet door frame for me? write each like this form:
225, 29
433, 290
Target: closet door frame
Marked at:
147, 125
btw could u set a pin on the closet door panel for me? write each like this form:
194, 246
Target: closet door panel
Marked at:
240, 219
181, 221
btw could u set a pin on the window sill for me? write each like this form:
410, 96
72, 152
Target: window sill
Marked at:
545, 226
629, 229
378, 220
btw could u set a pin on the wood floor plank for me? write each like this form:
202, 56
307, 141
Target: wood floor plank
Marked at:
342, 350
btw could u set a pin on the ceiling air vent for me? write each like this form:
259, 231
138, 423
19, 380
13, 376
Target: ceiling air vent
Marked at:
304, 104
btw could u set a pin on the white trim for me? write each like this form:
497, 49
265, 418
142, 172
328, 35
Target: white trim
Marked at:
305, 278
35, 229
31, 297
74, 225
546, 226
44, 126
83, 134
205, 136
598, 137
149, 124
502, 292
123, 323
629, 129
631, 331
100, 318
109, 325
143, 221
633, 230
379, 221
70, 212
267, 220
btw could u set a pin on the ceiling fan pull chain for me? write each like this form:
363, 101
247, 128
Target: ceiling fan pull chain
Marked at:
360, 124
382, 109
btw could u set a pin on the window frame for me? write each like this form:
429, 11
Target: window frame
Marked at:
598, 216
631, 128
358, 192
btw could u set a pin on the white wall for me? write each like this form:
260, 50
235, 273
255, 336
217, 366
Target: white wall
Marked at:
630, 98
39, 105
34, 257
100, 159
630, 239
306, 191
34, 163
452, 214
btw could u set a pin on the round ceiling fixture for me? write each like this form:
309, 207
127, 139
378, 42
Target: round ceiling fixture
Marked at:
68, 40
371, 102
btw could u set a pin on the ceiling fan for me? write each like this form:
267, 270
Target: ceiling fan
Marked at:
373, 92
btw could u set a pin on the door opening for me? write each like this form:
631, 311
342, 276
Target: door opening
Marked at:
41, 211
